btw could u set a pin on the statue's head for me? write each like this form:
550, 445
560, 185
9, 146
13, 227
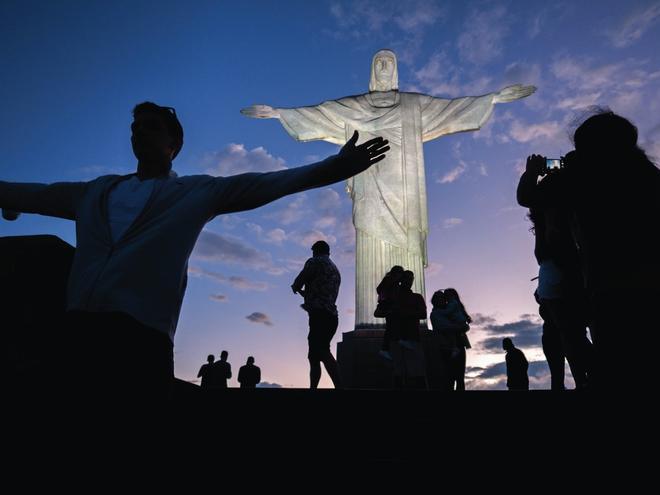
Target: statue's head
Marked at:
384, 73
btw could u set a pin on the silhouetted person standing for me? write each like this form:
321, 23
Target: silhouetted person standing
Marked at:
387, 291
318, 283
205, 370
249, 375
407, 353
220, 372
134, 236
516, 366
560, 294
612, 190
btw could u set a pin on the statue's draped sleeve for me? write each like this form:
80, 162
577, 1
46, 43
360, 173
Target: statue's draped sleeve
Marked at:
314, 123
441, 116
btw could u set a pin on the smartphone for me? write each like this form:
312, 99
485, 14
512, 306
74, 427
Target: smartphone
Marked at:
552, 164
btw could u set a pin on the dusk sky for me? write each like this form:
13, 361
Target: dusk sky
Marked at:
71, 72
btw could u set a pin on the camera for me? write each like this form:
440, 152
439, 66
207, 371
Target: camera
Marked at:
553, 164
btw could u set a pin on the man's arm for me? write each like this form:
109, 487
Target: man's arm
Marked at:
56, 200
251, 190
228, 370
305, 275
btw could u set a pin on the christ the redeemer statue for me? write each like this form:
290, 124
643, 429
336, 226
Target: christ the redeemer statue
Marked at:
389, 199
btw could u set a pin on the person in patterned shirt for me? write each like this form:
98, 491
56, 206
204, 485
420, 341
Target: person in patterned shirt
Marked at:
318, 283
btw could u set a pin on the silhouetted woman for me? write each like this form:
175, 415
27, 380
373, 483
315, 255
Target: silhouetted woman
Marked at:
613, 191
460, 316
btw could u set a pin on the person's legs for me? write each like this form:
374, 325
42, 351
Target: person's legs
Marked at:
322, 328
552, 345
314, 372
568, 318
459, 369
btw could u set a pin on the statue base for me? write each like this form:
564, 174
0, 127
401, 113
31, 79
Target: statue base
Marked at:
362, 367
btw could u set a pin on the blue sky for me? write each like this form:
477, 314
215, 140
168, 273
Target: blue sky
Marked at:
72, 71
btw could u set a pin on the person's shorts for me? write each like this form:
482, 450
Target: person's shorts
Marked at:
322, 328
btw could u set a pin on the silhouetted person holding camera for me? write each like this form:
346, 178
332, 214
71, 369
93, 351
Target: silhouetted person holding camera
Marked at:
249, 375
135, 234
318, 283
612, 191
516, 366
204, 371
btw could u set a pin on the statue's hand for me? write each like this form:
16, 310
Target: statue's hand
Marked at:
261, 112
357, 159
512, 93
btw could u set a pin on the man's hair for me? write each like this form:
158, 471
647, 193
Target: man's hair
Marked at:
168, 114
321, 247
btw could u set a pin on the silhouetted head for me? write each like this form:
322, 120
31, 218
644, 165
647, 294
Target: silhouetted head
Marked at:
210, 358
320, 248
439, 300
396, 269
507, 344
407, 279
452, 295
384, 72
250, 360
605, 135
224, 355
157, 135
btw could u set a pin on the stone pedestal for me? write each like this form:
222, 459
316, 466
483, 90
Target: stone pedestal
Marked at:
361, 366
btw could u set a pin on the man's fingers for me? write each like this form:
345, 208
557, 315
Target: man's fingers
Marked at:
376, 159
371, 142
354, 138
376, 150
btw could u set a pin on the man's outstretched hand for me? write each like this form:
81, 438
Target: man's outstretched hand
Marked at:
357, 159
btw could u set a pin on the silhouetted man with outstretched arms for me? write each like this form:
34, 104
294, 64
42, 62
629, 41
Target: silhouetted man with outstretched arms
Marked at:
516, 366
134, 236
249, 375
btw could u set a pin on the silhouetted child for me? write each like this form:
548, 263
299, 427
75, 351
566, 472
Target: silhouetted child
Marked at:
387, 293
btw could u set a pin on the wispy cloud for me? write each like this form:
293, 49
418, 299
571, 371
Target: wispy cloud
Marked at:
229, 249
524, 132
292, 212
240, 283
235, 159
306, 238
258, 317
450, 223
484, 31
219, 298
269, 385
453, 174
525, 332
635, 25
